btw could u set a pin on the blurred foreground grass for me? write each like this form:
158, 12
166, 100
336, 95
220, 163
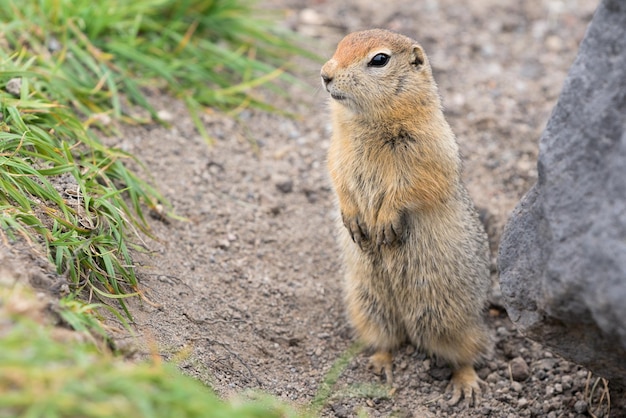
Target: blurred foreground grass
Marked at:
51, 372
48, 371
70, 70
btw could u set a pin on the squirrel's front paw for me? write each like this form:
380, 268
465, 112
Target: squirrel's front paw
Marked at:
390, 231
356, 228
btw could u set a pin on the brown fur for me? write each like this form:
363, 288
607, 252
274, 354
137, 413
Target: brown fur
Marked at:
416, 255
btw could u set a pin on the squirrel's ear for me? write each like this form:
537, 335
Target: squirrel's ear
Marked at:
418, 56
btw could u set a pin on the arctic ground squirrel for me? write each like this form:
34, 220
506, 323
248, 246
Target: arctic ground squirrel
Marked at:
415, 252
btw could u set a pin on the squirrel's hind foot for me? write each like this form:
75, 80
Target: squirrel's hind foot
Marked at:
465, 384
381, 363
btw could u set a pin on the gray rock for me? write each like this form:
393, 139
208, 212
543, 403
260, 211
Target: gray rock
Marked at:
562, 257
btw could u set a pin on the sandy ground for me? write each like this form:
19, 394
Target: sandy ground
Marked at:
249, 287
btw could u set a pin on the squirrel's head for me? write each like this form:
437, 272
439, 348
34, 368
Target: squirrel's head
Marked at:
376, 71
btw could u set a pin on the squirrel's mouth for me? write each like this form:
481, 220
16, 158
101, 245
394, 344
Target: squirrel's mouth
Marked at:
337, 96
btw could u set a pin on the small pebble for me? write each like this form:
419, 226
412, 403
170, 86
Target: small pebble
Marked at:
516, 387
285, 186
580, 407
165, 115
567, 381
311, 17
54, 45
519, 369
486, 410
14, 86
493, 377
547, 363
503, 332
340, 410
501, 386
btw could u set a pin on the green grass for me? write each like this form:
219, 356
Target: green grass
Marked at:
72, 69
328, 389
209, 53
86, 226
47, 373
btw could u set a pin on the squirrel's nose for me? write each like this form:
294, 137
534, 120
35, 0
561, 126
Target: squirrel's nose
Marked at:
326, 78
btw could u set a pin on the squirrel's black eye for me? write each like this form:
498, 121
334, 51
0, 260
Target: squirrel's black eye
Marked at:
379, 60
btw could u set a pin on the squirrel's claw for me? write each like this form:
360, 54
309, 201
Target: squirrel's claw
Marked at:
356, 228
388, 233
